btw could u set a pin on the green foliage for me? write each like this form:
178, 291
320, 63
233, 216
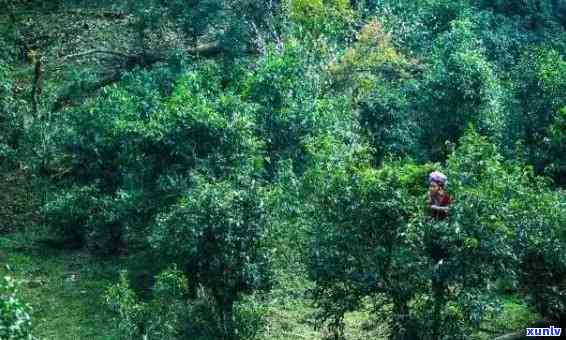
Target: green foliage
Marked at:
379, 77
130, 312
250, 316
536, 14
68, 213
356, 248
557, 148
289, 88
15, 319
538, 218
540, 95
372, 237
417, 23
489, 229
282, 131
332, 18
85, 216
10, 122
216, 233
129, 154
541, 243
9, 36
461, 87
515, 314
170, 315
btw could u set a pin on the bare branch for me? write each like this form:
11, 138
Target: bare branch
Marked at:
83, 54
129, 61
207, 50
512, 336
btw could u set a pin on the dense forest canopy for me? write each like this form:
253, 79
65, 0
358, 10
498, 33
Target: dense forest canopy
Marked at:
251, 146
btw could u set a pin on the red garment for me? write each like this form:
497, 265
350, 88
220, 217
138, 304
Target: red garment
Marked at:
441, 200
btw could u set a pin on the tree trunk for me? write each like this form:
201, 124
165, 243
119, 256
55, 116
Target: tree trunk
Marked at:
36, 86
225, 308
438, 296
227, 318
404, 330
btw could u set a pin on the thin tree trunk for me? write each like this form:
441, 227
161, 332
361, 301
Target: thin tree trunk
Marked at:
404, 329
36, 86
225, 309
228, 327
438, 295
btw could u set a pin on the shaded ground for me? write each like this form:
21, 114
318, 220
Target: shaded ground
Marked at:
18, 207
65, 289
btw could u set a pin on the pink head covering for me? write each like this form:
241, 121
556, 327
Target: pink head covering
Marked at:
438, 177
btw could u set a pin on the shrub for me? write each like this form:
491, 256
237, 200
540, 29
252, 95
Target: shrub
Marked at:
216, 233
15, 319
356, 248
322, 17
377, 76
171, 313
11, 122
288, 89
540, 94
539, 218
460, 87
556, 144
68, 212
127, 156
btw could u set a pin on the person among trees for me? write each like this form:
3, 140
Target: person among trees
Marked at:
439, 200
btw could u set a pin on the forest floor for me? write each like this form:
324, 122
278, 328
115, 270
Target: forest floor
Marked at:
66, 289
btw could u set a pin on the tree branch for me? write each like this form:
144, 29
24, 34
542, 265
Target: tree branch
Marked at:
207, 50
512, 336
129, 61
83, 54
36, 86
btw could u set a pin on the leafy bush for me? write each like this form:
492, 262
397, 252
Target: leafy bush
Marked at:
539, 218
131, 313
541, 81
289, 89
536, 14
322, 17
172, 314
557, 148
356, 249
122, 159
235, 24
68, 213
15, 319
216, 233
460, 87
11, 122
378, 80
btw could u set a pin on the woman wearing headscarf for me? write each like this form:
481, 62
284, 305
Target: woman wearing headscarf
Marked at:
439, 200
